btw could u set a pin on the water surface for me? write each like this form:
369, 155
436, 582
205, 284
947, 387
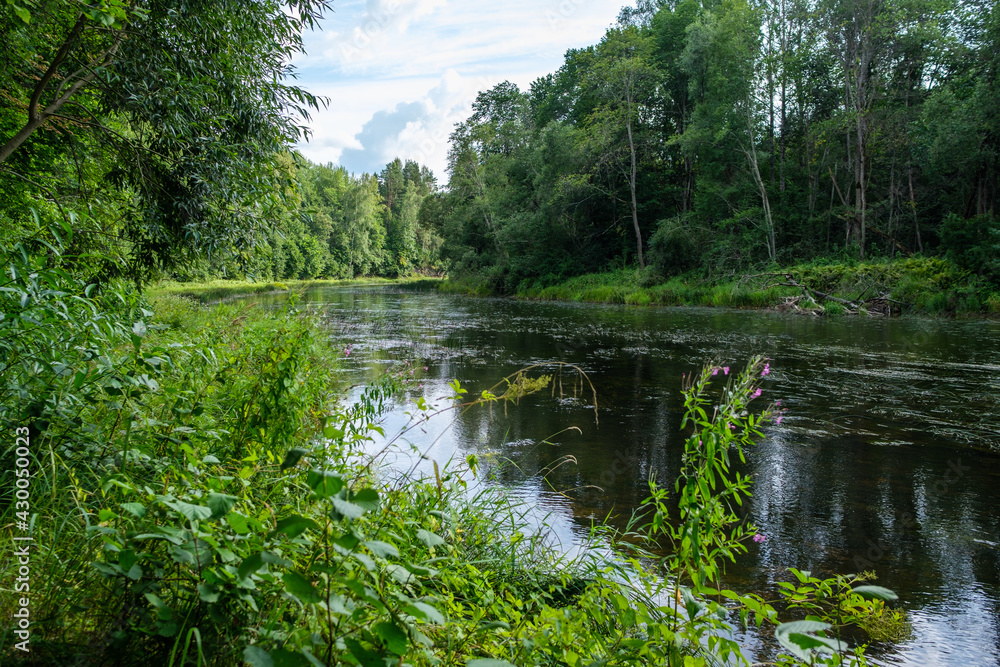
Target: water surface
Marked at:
888, 457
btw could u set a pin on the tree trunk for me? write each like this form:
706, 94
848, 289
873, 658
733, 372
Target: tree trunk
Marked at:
631, 184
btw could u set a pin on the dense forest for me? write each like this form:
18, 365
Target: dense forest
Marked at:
702, 138
715, 136
168, 163
339, 226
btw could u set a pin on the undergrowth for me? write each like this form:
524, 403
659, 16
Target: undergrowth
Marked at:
199, 494
930, 286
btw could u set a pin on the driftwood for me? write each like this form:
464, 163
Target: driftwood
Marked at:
877, 305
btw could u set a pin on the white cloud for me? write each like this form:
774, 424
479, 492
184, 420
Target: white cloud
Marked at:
400, 74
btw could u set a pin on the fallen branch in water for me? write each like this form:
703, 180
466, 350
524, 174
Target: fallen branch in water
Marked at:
878, 305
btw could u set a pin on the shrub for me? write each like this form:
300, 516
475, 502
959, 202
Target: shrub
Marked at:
973, 244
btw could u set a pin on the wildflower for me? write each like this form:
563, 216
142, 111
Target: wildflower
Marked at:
766, 371
715, 371
757, 393
778, 420
731, 427
421, 385
778, 403
726, 369
427, 368
758, 538
347, 351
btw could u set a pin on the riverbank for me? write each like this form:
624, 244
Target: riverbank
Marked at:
926, 286
219, 290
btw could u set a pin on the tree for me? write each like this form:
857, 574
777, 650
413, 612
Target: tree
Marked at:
624, 80
191, 99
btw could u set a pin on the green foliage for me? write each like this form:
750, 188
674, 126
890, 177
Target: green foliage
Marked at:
199, 495
748, 125
178, 111
973, 244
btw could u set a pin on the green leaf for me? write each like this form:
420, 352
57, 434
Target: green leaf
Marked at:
365, 657
274, 559
292, 458
300, 587
348, 542
22, 14
135, 509
182, 556
325, 484
295, 525
382, 549
285, 658
426, 611
797, 638
348, 510
208, 593
220, 504
429, 538
367, 499
250, 565
392, 636
400, 574
876, 592
238, 523
189, 511
257, 657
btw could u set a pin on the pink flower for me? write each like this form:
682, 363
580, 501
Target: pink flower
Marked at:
715, 371
347, 352
778, 403
426, 368
757, 393
726, 369
766, 371
778, 420
731, 427
758, 538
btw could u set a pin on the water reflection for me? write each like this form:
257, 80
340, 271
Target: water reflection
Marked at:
889, 458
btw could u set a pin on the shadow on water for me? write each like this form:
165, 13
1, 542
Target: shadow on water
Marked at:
888, 458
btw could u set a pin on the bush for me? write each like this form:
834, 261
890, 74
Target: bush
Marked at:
973, 244
676, 247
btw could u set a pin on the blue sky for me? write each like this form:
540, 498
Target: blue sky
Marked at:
401, 73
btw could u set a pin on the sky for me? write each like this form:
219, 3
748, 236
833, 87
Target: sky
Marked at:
400, 73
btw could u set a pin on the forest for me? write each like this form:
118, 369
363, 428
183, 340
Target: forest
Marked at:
706, 140
183, 484
719, 136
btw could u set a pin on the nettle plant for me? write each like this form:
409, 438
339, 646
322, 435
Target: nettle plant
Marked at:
710, 530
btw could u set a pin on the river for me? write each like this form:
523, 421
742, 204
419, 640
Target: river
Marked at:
888, 457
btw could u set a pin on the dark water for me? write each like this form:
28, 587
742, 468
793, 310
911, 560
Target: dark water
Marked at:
888, 458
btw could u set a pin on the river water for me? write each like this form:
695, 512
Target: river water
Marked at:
888, 457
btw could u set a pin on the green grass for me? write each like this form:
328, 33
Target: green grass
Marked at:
930, 286
217, 290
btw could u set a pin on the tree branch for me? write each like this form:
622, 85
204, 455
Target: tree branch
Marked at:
36, 119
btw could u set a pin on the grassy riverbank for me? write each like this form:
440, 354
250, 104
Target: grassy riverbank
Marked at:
218, 290
921, 286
